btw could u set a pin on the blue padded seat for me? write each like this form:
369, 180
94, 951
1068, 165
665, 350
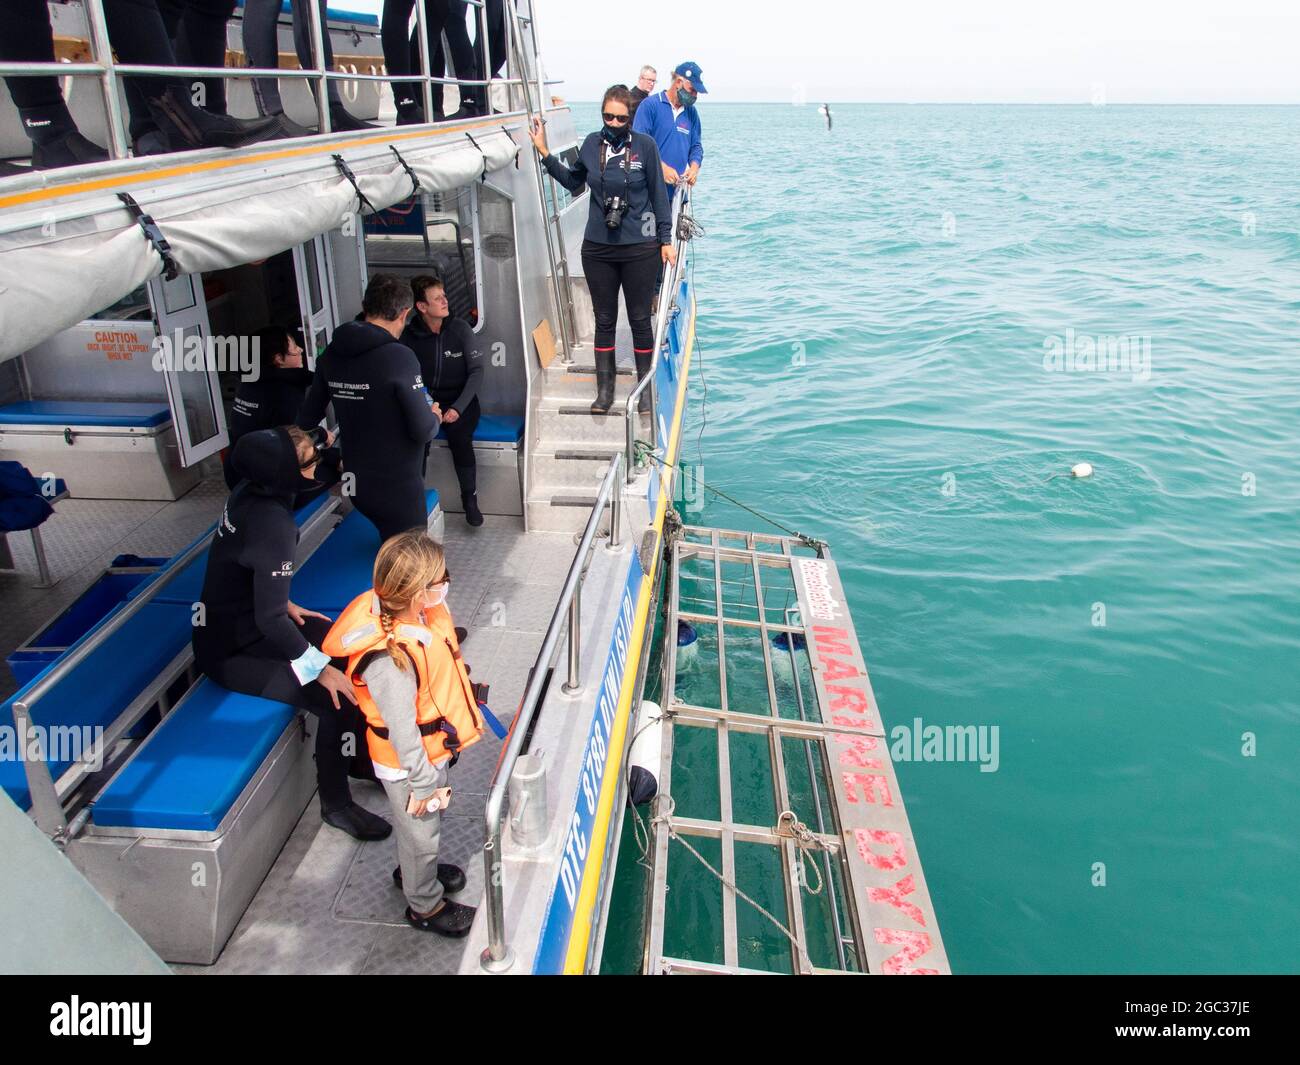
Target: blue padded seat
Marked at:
191, 769
102, 686
63, 412
496, 429
343, 566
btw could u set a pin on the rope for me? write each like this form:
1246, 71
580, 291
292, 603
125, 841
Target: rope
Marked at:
665, 818
644, 450
789, 825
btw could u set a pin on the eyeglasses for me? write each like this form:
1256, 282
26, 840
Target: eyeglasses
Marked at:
618, 120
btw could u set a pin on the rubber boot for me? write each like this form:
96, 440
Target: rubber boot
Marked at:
643, 368
606, 374
71, 149
468, 478
187, 126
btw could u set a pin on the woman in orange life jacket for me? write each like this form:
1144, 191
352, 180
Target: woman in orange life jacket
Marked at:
405, 665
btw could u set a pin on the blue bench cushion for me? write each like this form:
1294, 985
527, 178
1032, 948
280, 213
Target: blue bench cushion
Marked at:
102, 686
496, 429
343, 566
192, 768
62, 412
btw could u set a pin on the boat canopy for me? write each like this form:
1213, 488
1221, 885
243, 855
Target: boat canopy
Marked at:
65, 255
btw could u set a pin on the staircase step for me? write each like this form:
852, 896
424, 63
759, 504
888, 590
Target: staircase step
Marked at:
562, 513
561, 422
568, 471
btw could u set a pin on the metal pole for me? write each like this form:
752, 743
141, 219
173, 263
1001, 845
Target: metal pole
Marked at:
320, 81
426, 86
616, 507
485, 57
102, 52
572, 685
667, 300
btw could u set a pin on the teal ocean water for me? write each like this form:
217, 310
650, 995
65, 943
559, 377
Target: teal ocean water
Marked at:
898, 331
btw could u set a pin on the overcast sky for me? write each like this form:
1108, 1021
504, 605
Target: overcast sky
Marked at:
1056, 51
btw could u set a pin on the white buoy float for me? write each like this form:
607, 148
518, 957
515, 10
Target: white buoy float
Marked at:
643, 758
1081, 469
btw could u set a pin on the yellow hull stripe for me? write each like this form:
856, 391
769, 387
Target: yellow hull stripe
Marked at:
584, 910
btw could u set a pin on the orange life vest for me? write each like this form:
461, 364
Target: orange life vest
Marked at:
445, 707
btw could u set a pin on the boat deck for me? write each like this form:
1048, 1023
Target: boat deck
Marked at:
328, 904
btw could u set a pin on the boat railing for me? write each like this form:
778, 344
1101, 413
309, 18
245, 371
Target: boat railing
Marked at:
567, 616
108, 72
669, 290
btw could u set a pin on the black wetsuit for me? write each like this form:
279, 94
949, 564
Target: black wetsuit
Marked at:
275, 399
247, 641
384, 418
452, 367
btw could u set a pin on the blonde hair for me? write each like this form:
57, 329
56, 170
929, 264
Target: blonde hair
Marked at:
406, 565
303, 445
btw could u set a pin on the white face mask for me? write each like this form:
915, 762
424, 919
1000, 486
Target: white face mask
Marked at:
436, 597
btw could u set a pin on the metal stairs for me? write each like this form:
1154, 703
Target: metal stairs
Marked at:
572, 448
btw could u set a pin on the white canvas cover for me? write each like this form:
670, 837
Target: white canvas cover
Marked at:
54, 276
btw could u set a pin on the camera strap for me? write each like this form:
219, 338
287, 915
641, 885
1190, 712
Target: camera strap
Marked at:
623, 161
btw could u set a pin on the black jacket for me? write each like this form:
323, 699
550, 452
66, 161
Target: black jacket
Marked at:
273, 399
379, 400
636, 175
250, 563
638, 94
450, 361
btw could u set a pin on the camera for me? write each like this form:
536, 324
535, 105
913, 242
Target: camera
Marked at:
615, 209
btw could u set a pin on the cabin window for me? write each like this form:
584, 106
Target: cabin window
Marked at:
558, 197
433, 233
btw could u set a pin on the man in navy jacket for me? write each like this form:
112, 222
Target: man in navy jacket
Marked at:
671, 119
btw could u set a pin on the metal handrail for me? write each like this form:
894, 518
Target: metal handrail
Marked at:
109, 72
670, 282
498, 956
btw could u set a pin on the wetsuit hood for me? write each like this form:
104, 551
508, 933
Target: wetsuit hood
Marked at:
353, 339
268, 459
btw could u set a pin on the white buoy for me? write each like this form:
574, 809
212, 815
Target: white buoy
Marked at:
643, 758
1081, 469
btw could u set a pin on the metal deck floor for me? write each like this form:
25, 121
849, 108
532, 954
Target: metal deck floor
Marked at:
328, 904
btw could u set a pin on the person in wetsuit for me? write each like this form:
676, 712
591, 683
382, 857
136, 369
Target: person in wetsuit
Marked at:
274, 398
628, 235
452, 368
385, 419
255, 640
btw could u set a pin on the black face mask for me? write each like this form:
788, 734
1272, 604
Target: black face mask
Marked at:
686, 97
614, 135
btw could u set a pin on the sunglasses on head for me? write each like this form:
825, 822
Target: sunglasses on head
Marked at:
616, 119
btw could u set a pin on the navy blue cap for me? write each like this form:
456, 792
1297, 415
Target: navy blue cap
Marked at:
691, 72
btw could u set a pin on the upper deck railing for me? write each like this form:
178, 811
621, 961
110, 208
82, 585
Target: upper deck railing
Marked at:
109, 73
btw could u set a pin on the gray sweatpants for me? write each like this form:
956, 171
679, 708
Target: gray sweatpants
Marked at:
417, 847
